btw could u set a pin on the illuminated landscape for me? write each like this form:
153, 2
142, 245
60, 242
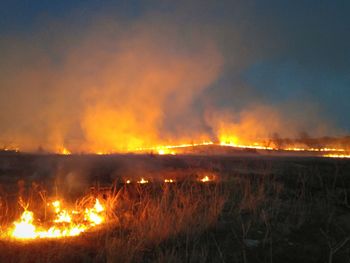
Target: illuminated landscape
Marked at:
174, 131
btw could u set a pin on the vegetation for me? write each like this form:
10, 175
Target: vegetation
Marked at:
292, 211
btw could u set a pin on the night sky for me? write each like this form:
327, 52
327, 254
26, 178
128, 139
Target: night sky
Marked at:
293, 56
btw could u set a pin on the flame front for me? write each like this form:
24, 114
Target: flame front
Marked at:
67, 223
234, 142
340, 156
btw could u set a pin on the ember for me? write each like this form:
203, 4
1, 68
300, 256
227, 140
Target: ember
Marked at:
169, 181
142, 181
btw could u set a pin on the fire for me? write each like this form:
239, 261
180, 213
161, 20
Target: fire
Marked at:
205, 179
296, 149
340, 156
165, 151
234, 142
67, 223
142, 181
64, 151
169, 181
24, 228
10, 149
93, 215
224, 139
228, 140
255, 145
62, 215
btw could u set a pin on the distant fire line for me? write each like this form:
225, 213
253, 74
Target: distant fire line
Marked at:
330, 152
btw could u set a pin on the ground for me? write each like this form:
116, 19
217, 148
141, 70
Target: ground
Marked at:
255, 209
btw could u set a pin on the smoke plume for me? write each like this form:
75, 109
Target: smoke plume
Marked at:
118, 85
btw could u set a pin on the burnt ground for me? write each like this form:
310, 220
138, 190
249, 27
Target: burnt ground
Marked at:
278, 209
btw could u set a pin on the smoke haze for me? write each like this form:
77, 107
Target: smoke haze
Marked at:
117, 84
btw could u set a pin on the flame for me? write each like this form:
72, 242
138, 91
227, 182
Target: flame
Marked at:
169, 181
340, 156
62, 215
93, 215
165, 151
66, 223
205, 179
228, 139
10, 149
234, 142
142, 181
64, 151
225, 140
24, 228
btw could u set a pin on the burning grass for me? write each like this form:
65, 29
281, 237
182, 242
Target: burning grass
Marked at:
65, 223
115, 224
281, 210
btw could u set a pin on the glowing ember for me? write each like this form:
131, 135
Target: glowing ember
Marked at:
205, 179
169, 181
142, 181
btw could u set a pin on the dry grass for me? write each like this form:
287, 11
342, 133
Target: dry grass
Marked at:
300, 215
140, 220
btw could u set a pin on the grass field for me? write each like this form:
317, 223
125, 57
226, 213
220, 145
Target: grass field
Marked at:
256, 209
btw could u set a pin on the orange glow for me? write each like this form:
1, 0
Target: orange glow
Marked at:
232, 141
341, 156
224, 139
24, 228
164, 150
63, 151
142, 181
228, 140
169, 181
205, 179
10, 149
247, 146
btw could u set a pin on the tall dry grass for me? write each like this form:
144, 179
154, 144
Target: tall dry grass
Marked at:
142, 221
259, 216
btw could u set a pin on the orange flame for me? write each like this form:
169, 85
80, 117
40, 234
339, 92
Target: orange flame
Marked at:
340, 156
142, 181
169, 181
64, 151
67, 223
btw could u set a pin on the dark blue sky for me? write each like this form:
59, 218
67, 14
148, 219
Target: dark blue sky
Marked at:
277, 52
